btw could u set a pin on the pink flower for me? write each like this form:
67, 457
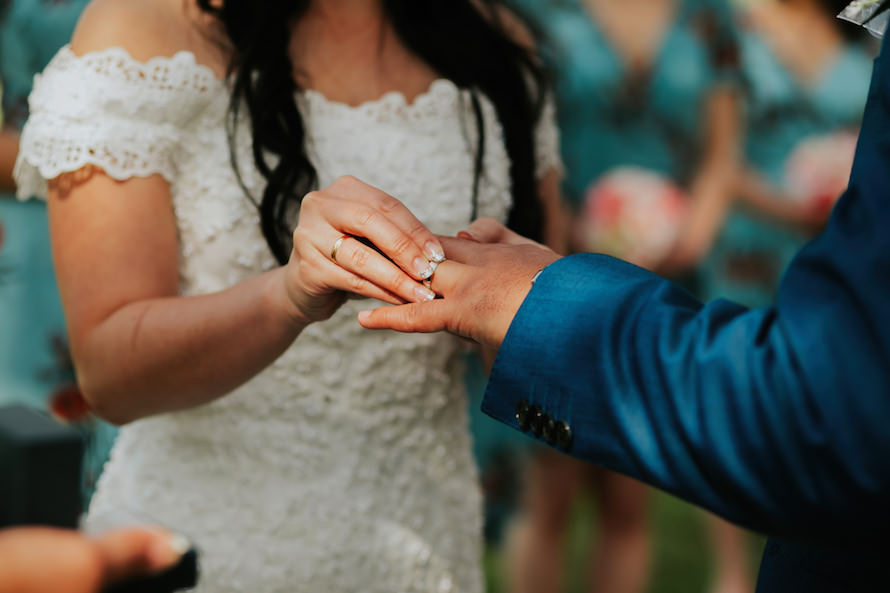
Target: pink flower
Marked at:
818, 170
632, 213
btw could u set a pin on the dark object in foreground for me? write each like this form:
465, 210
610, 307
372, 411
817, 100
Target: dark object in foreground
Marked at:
40, 462
182, 576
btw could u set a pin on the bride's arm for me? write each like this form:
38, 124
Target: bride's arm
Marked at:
140, 349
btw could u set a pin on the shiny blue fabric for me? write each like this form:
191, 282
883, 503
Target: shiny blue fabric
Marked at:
777, 418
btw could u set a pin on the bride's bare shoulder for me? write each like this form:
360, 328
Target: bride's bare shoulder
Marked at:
145, 29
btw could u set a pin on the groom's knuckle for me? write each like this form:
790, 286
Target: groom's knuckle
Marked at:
412, 316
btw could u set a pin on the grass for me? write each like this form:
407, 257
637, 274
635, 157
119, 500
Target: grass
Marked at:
681, 555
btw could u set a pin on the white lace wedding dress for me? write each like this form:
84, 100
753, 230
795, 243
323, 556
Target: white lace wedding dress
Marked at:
345, 466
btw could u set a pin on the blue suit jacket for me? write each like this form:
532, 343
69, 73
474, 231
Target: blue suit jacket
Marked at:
776, 418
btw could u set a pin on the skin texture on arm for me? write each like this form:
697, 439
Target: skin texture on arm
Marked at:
44, 560
140, 349
711, 191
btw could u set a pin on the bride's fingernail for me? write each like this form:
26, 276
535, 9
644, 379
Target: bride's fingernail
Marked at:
435, 252
423, 268
424, 294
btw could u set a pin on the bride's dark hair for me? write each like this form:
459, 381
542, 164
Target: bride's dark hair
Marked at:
462, 40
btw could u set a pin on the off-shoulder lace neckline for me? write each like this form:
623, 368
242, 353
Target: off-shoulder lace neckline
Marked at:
439, 87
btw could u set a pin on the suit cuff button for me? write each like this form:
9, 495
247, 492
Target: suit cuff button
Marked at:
537, 421
549, 430
523, 415
563, 435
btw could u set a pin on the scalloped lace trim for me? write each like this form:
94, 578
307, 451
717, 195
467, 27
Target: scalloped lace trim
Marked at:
181, 70
65, 137
61, 139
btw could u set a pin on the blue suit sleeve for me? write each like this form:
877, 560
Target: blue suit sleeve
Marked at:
776, 418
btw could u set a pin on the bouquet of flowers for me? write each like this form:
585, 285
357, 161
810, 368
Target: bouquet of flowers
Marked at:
818, 170
632, 213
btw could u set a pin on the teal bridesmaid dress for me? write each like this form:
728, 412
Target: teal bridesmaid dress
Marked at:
35, 367
611, 115
747, 262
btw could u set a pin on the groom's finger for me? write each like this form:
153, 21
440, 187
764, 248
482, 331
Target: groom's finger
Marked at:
486, 230
447, 276
414, 317
463, 251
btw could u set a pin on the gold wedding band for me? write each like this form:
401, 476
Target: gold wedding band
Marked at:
337, 245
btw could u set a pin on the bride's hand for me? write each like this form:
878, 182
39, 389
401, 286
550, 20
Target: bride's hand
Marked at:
316, 283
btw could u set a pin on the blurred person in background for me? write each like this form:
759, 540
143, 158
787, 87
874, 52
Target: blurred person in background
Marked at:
35, 364
648, 84
807, 75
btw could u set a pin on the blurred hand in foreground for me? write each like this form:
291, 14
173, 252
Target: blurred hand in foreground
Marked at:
488, 274
45, 560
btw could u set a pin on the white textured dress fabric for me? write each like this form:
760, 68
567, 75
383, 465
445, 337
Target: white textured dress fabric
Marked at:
345, 465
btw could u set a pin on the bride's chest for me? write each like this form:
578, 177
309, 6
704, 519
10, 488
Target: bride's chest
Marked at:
423, 153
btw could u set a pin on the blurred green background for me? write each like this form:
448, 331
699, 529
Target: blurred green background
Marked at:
681, 555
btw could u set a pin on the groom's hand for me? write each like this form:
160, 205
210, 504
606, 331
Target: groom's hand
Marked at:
488, 274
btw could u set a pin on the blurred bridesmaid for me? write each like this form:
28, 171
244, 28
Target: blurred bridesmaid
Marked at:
35, 367
807, 74
650, 84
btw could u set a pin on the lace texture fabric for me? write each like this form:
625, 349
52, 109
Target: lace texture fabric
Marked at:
345, 465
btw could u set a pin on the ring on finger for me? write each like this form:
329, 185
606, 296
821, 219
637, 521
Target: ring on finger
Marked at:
337, 245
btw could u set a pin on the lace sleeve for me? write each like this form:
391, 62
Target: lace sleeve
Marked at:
547, 156
108, 110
